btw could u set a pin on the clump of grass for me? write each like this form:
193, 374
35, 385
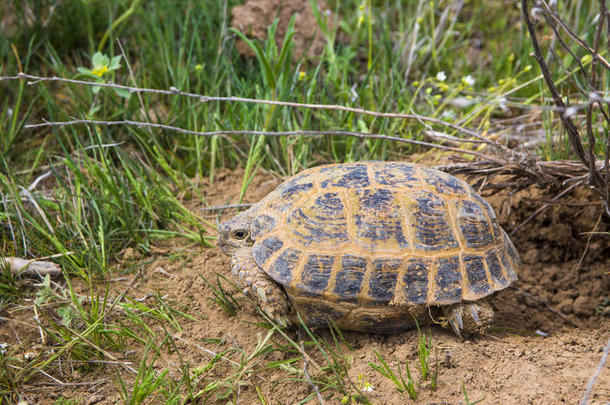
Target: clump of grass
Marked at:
401, 385
148, 380
424, 348
221, 297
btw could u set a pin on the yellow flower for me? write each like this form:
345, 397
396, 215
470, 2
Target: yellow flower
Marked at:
198, 67
301, 75
99, 70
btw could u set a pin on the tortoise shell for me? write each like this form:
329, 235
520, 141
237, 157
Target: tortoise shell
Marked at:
379, 233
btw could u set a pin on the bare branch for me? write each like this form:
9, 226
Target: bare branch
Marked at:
205, 99
574, 37
598, 371
265, 133
595, 176
31, 268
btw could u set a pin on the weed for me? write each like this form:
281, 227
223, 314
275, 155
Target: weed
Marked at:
466, 396
401, 385
424, 348
147, 380
221, 297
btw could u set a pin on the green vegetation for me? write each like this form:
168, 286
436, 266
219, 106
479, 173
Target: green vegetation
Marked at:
424, 348
86, 193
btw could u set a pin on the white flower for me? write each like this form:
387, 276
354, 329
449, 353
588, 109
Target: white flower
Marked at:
441, 76
448, 114
354, 95
502, 104
468, 80
367, 388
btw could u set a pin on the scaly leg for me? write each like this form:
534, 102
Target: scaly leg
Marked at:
257, 285
470, 317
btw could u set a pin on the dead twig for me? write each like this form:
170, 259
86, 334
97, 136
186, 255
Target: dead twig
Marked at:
584, 253
227, 207
32, 268
361, 135
598, 371
205, 99
600, 184
544, 207
314, 386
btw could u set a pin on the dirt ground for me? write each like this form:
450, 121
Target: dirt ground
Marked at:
255, 16
545, 345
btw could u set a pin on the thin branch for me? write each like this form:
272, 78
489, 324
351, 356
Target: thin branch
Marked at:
226, 207
314, 386
575, 38
353, 134
544, 207
573, 134
205, 99
600, 367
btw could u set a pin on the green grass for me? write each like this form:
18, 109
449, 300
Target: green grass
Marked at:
103, 189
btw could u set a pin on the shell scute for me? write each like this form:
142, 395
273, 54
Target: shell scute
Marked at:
478, 285
320, 223
473, 224
430, 218
448, 280
512, 253
396, 174
283, 269
495, 268
445, 184
349, 279
383, 278
261, 251
347, 176
316, 273
378, 220
296, 187
415, 280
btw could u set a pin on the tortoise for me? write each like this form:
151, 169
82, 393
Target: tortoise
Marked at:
373, 247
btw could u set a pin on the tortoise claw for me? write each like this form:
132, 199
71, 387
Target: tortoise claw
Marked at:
474, 314
469, 317
455, 320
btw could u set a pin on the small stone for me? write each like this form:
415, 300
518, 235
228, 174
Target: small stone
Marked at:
94, 399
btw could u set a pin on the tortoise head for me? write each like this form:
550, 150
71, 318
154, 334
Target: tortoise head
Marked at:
235, 233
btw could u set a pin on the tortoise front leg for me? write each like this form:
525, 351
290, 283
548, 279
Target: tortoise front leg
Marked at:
257, 285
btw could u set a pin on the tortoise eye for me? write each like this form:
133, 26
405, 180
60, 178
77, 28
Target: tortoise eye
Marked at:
240, 234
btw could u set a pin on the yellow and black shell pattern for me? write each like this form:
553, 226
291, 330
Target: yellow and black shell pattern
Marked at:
379, 233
